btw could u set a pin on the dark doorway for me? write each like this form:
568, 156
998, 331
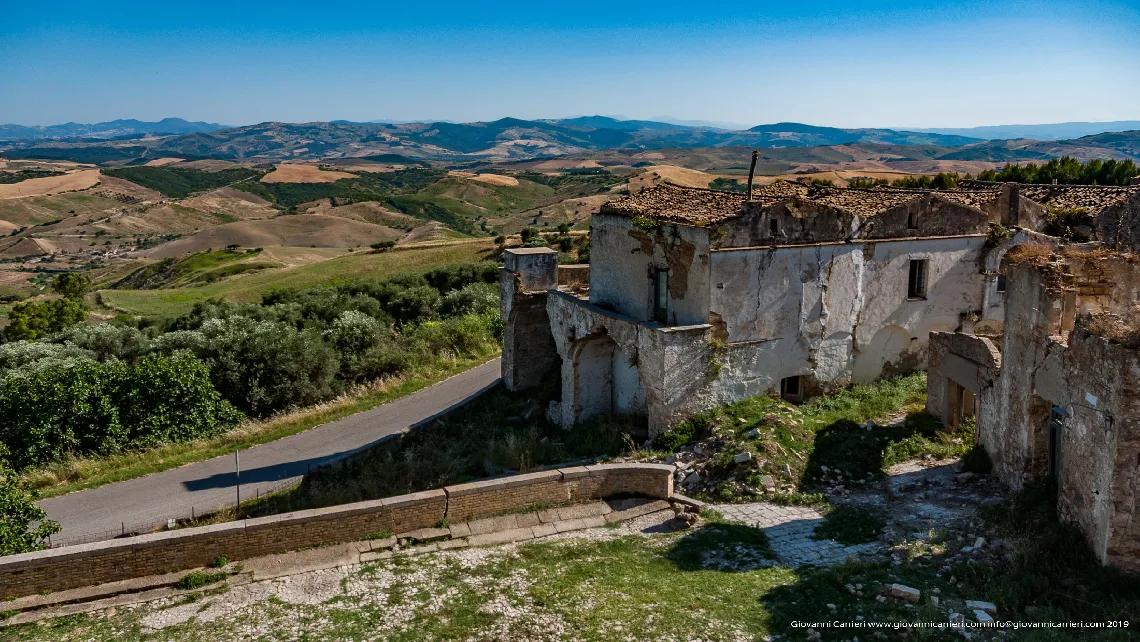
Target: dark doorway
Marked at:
1056, 425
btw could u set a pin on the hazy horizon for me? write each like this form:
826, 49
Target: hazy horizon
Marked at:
832, 64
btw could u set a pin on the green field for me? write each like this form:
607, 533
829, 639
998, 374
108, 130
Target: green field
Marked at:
249, 288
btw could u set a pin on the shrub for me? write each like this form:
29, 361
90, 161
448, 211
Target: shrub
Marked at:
262, 367
383, 246
32, 355
71, 285
420, 303
35, 319
476, 298
100, 408
23, 525
198, 579
105, 340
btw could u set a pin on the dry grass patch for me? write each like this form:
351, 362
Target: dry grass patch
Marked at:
490, 179
289, 173
72, 182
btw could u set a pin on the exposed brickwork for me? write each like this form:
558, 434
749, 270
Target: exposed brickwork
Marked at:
102, 562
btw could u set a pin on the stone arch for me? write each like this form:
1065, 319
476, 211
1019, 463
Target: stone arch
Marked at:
605, 380
885, 349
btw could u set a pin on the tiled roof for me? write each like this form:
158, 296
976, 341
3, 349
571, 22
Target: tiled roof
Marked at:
694, 206
676, 204
1090, 197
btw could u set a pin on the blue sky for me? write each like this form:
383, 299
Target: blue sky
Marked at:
847, 64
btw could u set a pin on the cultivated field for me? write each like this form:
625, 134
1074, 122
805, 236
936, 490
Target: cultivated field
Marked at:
492, 179
289, 173
70, 182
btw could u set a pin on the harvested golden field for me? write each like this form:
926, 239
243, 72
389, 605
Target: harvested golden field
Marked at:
210, 165
300, 230
368, 212
291, 173
73, 182
566, 164
231, 202
677, 175
159, 162
491, 179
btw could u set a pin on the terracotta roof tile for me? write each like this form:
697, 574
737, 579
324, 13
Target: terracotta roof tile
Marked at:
1090, 197
701, 207
676, 204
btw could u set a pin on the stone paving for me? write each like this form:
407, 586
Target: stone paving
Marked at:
789, 530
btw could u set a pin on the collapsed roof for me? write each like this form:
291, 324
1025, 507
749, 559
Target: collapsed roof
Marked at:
704, 207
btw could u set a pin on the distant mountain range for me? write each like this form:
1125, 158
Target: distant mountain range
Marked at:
110, 129
516, 139
1054, 131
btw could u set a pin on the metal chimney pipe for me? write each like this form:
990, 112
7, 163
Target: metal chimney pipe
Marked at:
752, 172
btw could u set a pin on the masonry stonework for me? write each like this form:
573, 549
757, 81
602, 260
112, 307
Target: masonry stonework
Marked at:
102, 562
1059, 395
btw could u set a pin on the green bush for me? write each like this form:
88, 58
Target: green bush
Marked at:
23, 525
35, 319
261, 367
71, 285
100, 408
198, 579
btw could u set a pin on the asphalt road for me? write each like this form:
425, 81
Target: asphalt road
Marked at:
101, 513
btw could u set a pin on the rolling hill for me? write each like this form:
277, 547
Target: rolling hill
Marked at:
444, 141
110, 129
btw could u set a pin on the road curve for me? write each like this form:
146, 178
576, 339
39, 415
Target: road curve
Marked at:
101, 513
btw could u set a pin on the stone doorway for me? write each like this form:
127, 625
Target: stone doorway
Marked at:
606, 381
961, 403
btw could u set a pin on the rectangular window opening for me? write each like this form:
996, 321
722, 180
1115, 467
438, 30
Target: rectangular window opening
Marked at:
774, 226
1001, 283
916, 286
790, 389
661, 296
910, 222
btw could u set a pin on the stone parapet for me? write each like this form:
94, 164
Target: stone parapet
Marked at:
122, 559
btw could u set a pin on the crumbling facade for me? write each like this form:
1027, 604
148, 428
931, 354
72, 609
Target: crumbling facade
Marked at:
698, 298
1058, 393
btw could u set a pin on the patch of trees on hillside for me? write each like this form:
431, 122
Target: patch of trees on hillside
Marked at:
1066, 171
180, 182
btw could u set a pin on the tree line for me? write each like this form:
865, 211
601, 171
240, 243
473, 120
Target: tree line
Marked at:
1067, 171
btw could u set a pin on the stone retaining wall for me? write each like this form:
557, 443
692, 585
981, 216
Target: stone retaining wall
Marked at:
167, 552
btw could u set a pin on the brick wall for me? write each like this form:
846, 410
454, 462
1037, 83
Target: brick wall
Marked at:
101, 562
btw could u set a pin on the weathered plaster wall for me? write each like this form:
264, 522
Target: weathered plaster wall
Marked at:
839, 312
613, 363
623, 259
973, 363
1095, 384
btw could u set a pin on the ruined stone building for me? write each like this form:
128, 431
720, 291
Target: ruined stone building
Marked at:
696, 298
1055, 390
